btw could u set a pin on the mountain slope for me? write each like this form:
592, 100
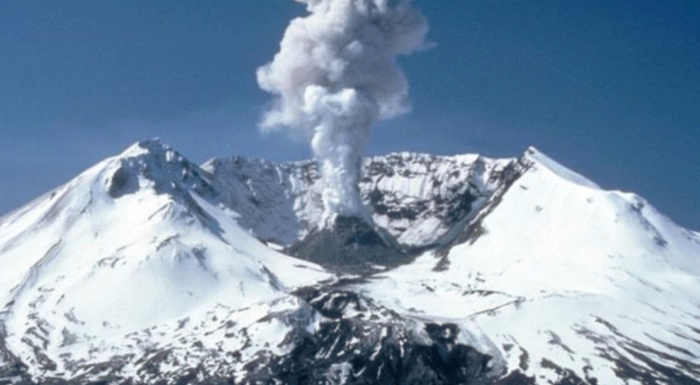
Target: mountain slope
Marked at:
136, 242
573, 283
147, 268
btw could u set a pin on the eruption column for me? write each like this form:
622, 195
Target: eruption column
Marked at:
334, 76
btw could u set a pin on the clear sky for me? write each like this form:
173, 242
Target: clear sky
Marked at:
610, 89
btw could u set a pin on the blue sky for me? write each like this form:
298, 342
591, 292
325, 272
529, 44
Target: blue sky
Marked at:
610, 89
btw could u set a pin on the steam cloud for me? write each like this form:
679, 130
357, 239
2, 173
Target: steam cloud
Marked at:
334, 76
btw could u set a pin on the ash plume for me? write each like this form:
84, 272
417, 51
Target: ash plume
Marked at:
334, 76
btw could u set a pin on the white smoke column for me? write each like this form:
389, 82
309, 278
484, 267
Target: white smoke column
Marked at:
334, 76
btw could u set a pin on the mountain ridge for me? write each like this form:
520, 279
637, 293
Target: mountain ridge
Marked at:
149, 268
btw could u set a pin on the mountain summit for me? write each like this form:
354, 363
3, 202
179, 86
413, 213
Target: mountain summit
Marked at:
147, 268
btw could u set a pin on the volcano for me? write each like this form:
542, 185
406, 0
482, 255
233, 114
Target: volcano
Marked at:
147, 268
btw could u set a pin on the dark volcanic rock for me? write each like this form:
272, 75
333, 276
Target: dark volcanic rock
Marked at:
357, 342
361, 343
349, 244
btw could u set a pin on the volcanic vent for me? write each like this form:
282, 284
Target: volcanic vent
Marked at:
335, 76
349, 244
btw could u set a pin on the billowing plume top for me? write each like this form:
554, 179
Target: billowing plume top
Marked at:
335, 75
342, 44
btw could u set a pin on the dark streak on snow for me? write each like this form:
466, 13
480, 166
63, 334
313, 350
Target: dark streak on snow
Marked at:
475, 228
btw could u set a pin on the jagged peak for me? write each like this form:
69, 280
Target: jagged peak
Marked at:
392, 156
423, 157
153, 150
167, 169
146, 146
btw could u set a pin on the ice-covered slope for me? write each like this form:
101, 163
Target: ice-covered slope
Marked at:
574, 284
134, 244
148, 268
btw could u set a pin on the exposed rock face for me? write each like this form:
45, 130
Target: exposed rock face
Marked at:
148, 269
349, 244
356, 342
360, 342
417, 198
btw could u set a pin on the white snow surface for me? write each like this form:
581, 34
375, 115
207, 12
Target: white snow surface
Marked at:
82, 270
146, 252
565, 273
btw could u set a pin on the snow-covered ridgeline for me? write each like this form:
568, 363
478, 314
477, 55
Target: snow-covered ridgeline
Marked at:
416, 197
147, 267
134, 242
570, 281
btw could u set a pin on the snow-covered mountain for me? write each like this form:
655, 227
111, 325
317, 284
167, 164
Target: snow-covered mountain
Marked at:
148, 268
